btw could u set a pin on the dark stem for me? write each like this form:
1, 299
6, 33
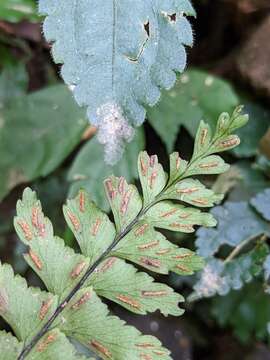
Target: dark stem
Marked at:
80, 284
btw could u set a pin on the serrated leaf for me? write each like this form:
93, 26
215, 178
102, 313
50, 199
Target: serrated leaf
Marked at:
81, 174
175, 217
44, 122
137, 291
87, 320
116, 76
151, 250
152, 176
91, 227
25, 309
236, 222
261, 203
198, 95
9, 345
124, 199
47, 250
192, 192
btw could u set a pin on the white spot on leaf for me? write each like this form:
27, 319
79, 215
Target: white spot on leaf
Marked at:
113, 131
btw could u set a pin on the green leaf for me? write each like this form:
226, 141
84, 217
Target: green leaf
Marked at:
198, 95
124, 199
175, 217
91, 227
117, 76
178, 167
136, 291
43, 319
9, 345
44, 127
192, 192
25, 309
87, 320
54, 345
17, 10
151, 250
152, 176
45, 249
81, 174
13, 83
261, 202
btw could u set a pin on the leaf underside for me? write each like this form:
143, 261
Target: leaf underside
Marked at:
117, 60
113, 256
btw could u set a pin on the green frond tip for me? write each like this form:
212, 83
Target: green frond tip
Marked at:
71, 308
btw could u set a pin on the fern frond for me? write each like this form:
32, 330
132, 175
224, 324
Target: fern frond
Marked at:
44, 321
116, 63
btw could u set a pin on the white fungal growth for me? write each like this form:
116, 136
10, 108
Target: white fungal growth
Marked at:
211, 283
113, 131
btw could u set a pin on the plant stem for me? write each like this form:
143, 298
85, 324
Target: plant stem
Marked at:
26, 350
236, 251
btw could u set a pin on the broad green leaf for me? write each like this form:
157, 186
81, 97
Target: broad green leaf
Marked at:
261, 202
9, 345
88, 170
151, 250
117, 63
13, 83
45, 127
236, 223
175, 217
152, 176
192, 192
46, 251
87, 320
91, 227
124, 199
136, 291
25, 309
17, 10
197, 95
